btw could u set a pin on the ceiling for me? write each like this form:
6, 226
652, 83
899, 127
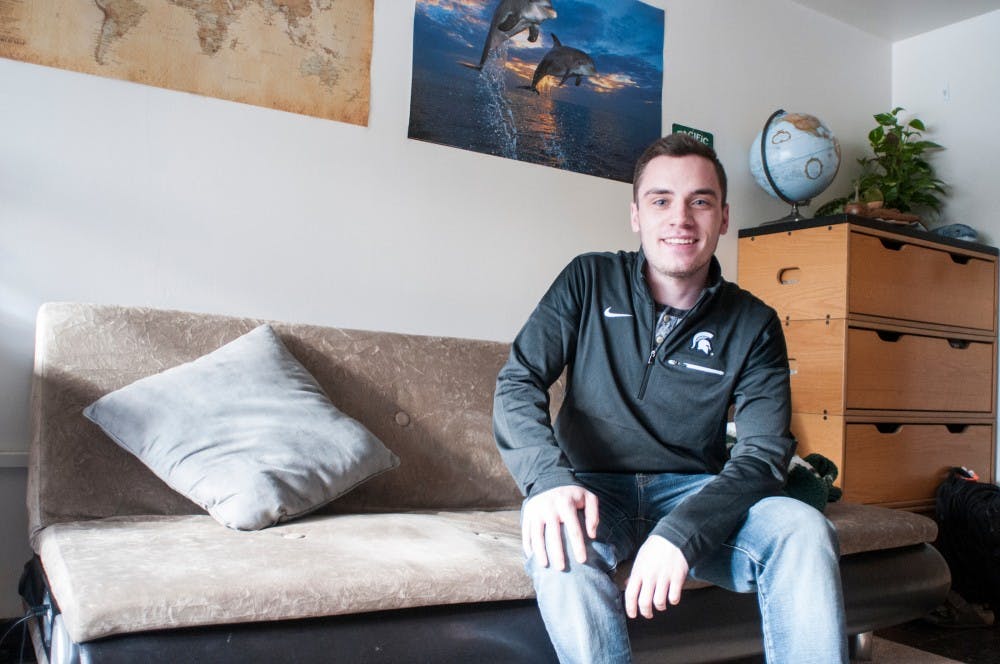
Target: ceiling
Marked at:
899, 19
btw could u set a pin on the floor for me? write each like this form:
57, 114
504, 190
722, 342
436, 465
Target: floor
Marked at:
970, 645
889, 652
924, 642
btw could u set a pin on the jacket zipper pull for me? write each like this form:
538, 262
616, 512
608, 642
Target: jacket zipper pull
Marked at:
649, 362
645, 375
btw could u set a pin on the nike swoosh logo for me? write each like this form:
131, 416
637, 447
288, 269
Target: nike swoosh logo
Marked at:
611, 314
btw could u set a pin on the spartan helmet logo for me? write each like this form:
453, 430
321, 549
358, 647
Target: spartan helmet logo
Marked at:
703, 341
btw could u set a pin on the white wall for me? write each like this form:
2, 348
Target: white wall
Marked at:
120, 193
949, 79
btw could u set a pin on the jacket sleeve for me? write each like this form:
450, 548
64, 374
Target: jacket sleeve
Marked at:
758, 464
521, 421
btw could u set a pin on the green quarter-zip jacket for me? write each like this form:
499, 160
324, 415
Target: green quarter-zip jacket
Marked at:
634, 406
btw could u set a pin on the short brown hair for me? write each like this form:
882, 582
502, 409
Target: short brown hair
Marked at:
677, 145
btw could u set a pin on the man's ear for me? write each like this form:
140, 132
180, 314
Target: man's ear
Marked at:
634, 217
725, 219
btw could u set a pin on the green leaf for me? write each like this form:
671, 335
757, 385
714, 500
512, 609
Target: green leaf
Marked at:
917, 124
835, 206
872, 193
885, 119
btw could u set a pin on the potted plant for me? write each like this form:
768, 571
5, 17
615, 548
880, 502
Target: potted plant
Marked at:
898, 175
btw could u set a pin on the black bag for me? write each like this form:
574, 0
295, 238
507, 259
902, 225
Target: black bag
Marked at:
968, 516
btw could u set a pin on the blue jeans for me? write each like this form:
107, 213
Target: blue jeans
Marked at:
785, 551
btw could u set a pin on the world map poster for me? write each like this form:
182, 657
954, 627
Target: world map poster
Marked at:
304, 56
572, 84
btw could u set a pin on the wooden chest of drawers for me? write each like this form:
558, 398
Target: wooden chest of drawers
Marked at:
892, 347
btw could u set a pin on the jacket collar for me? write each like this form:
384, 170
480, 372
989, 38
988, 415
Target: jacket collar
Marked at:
715, 279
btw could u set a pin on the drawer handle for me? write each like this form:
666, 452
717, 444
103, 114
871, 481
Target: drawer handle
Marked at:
956, 428
891, 337
785, 276
888, 428
959, 344
896, 245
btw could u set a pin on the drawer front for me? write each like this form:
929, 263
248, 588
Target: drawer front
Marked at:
892, 371
820, 434
905, 464
802, 274
909, 282
816, 360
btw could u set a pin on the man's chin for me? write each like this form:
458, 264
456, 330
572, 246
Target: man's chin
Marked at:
681, 272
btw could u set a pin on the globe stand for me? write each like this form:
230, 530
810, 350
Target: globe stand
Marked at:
794, 215
791, 216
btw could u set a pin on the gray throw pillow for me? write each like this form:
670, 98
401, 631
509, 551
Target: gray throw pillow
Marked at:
245, 432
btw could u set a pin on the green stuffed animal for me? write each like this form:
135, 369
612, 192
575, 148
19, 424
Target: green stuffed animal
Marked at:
811, 480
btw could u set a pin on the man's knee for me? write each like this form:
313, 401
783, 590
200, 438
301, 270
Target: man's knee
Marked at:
814, 527
800, 525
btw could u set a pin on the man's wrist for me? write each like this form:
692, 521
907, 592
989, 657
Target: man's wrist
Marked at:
552, 480
666, 531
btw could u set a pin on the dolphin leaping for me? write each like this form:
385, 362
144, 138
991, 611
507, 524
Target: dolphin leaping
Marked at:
563, 61
512, 17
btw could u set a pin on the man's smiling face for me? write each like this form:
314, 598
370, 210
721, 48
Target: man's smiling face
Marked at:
679, 216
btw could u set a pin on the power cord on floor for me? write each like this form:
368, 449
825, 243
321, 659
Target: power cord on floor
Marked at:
33, 612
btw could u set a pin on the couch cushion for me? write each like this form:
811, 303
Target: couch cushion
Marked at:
245, 432
129, 574
871, 528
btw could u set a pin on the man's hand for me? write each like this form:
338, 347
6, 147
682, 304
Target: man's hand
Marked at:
541, 519
658, 574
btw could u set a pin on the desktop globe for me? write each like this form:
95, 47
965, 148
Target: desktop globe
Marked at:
795, 158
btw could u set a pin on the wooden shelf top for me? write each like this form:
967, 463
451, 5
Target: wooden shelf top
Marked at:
865, 222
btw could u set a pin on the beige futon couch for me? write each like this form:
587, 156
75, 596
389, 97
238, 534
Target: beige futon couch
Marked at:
421, 563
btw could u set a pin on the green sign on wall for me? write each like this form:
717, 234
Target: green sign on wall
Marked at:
702, 136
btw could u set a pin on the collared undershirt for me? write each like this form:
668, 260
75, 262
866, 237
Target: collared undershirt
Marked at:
669, 317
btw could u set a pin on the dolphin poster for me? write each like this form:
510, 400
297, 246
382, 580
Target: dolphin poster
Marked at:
572, 84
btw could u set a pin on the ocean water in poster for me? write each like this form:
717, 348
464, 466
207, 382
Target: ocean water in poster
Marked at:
570, 84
